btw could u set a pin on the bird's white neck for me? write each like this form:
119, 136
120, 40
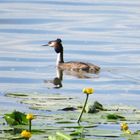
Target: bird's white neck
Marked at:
59, 58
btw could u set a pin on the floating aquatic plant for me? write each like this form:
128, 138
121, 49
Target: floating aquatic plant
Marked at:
87, 91
16, 118
63, 126
115, 117
30, 117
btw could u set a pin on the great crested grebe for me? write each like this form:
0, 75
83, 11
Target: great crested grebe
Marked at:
71, 65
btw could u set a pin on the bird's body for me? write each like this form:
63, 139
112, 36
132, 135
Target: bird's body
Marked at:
79, 66
71, 65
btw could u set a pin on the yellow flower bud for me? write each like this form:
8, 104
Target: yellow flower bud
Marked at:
124, 127
30, 117
26, 134
88, 90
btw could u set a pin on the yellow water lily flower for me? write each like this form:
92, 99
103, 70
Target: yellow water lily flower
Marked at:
26, 134
88, 90
30, 116
124, 127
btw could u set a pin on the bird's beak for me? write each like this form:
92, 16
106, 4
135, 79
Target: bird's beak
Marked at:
45, 45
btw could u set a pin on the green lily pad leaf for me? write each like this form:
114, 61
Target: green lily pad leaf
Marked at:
5, 128
78, 126
21, 127
115, 117
9, 135
78, 131
103, 133
60, 136
65, 122
17, 138
49, 102
135, 136
137, 132
63, 136
14, 95
16, 118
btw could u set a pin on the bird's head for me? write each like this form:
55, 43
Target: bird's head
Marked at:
56, 44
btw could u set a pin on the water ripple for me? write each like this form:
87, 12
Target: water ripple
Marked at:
105, 33
27, 31
31, 21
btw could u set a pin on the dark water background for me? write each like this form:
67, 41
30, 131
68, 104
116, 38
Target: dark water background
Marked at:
106, 33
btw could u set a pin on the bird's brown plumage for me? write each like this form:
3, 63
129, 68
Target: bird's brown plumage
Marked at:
79, 66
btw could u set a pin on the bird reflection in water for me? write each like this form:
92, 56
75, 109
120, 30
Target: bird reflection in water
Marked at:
56, 82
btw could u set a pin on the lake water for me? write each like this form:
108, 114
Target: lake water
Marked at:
106, 33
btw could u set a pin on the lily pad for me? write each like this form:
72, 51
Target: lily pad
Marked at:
16, 95
115, 117
53, 118
16, 118
50, 103
103, 133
